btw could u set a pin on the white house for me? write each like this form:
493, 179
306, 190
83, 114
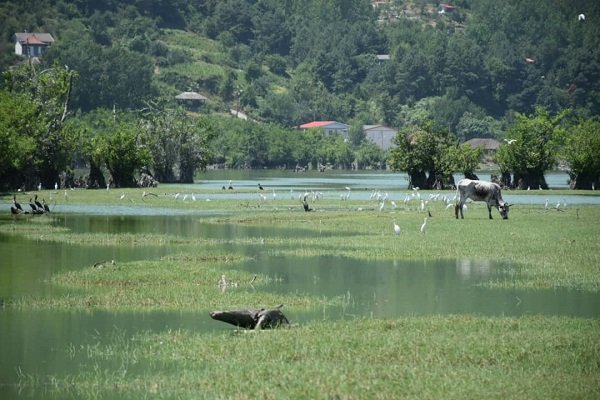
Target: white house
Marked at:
330, 127
381, 135
32, 44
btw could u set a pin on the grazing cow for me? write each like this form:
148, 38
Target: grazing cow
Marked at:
489, 192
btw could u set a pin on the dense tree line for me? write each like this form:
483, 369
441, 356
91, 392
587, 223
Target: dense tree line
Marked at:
489, 69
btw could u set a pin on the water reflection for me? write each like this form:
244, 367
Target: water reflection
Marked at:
388, 289
38, 342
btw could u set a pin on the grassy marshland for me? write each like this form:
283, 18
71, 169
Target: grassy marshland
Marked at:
411, 357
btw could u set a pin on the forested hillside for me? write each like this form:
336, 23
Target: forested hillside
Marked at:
291, 61
470, 68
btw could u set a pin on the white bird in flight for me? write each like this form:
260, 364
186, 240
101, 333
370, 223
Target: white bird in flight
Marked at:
510, 141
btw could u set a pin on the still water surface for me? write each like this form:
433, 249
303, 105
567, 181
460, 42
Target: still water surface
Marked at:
38, 342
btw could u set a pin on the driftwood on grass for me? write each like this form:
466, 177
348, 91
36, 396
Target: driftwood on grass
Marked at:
252, 318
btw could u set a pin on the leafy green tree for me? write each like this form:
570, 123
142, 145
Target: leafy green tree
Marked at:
176, 140
465, 159
531, 148
473, 126
17, 140
421, 152
582, 153
123, 153
369, 155
44, 94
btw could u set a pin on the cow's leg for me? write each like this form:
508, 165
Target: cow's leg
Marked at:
490, 211
459, 207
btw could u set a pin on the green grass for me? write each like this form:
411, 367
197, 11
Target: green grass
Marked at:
452, 357
462, 356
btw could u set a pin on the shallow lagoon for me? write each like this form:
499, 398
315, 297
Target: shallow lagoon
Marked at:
37, 342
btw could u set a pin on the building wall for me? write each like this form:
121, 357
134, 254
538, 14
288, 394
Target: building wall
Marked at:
381, 136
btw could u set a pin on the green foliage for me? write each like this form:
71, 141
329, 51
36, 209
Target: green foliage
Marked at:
369, 155
17, 139
289, 62
582, 153
532, 148
123, 153
427, 154
41, 99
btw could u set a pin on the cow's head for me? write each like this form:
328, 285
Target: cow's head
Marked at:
504, 208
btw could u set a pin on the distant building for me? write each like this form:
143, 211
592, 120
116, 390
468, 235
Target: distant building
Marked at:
489, 146
446, 8
330, 127
381, 135
32, 44
191, 100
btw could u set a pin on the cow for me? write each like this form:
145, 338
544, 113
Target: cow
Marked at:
478, 190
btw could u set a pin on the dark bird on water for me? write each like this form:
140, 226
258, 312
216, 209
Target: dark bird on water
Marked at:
32, 205
17, 205
37, 203
260, 187
305, 203
46, 208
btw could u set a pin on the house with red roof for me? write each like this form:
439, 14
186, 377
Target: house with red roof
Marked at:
32, 44
329, 127
446, 8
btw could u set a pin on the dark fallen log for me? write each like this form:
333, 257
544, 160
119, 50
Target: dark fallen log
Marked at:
252, 318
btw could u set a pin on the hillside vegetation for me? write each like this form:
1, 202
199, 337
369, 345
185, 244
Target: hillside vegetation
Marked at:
294, 61
472, 70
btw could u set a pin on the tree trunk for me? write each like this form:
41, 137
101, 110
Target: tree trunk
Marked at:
417, 179
530, 180
583, 180
471, 175
96, 179
506, 180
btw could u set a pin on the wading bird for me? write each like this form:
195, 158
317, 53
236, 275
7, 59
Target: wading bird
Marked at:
396, 228
37, 203
424, 226
17, 205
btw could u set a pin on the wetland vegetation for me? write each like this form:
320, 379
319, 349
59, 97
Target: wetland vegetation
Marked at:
335, 346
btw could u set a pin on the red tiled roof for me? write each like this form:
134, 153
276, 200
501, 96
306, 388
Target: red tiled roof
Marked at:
316, 124
32, 39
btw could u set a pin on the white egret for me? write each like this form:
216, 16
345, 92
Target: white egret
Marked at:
396, 228
122, 196
510, 141
55, 185
381, 206
177, 195
424, 226
581, 17
546, 205
394, 205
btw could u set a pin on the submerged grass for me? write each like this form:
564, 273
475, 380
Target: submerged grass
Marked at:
415, 357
